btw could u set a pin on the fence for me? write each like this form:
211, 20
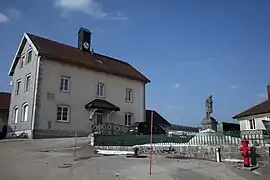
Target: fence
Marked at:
109, 128
130, 139
258, 137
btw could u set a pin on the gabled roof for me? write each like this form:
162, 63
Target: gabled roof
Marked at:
4, 100
261, 108
157, 118
61, 52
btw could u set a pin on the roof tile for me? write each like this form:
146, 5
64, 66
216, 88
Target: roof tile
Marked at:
69, 54
261, 108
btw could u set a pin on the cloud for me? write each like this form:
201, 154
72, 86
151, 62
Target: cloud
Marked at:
119, 17
175, 86
14, 12
10, 12
233, 86
3, 18
91, 7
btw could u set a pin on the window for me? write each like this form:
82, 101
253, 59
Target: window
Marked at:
22, 62
29, 56
100, 90
99, 118
63, 113
27, 83
18, 86
128, 119
252, 124
15, 114
64, 86
25, 112
128, 95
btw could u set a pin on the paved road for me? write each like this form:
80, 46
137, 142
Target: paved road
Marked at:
53, 160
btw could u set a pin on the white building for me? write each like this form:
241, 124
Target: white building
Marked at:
59, 89
252, 118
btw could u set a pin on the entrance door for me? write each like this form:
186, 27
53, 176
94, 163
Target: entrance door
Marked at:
99, 118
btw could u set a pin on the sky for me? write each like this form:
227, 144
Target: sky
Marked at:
189, 49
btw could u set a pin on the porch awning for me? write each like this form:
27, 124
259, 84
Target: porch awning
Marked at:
101, 104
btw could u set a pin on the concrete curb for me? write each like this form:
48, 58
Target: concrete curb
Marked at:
252, 168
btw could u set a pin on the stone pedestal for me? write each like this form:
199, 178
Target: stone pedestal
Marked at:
209, 123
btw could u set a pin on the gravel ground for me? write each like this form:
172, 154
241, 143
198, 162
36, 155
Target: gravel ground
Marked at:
53, 160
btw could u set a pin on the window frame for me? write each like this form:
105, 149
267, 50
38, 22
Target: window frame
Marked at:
127, 122
252, 124
22, 60
129, 92
68, 84
27, 86
17, 90
23, 119
100, 84
27, 58
15, 116
62, 106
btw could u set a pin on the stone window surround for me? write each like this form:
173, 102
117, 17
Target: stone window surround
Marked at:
18, 86
29, 56
25, 112
100, 90
26, 85
62, 106
129, 95
128, 121
15, 114
65, 87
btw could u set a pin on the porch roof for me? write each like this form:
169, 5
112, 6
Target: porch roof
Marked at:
101, 104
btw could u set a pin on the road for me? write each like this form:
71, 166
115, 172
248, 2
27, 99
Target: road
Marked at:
53, 160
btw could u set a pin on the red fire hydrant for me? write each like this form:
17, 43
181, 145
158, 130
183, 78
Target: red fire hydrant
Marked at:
245, 151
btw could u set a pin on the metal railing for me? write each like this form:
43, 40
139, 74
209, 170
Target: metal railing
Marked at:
109, 129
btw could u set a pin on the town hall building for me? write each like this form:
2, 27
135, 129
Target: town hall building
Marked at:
58, 89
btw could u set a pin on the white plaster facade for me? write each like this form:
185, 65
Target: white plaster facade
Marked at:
83, 89
257, 124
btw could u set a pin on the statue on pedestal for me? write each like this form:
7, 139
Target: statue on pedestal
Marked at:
208, 121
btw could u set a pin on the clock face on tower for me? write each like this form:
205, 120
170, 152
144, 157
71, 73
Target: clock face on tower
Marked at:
86, 45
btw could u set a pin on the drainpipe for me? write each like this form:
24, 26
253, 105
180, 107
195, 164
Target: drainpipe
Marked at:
34, 101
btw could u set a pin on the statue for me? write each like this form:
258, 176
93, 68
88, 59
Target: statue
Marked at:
209, 106
208, 121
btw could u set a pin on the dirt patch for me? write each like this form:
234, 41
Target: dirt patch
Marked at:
85, 157
65, 165
45, 150
134, 156
177, 157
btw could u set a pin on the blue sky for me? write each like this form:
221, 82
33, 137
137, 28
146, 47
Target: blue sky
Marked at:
188, 49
